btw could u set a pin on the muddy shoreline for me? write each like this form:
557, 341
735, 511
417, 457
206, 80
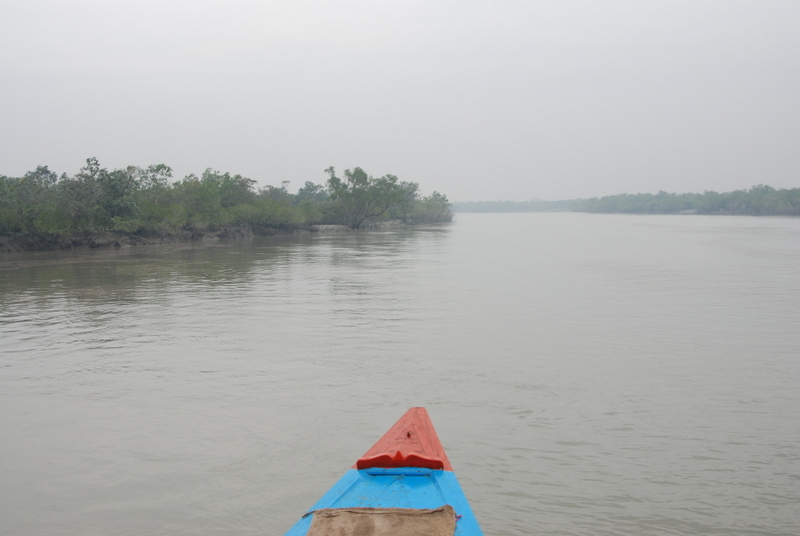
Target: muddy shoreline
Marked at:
50, 242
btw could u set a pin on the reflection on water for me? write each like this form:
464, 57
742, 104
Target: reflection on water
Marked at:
587, 374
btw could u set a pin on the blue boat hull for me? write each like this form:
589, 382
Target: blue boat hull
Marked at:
404, 487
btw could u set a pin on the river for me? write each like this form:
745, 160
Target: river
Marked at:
587, 374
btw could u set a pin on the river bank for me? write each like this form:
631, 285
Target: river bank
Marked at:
15, 243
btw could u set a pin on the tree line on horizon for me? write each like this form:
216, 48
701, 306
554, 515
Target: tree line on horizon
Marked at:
148, 202
760, 200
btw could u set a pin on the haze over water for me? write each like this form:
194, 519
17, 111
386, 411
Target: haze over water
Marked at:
587, 374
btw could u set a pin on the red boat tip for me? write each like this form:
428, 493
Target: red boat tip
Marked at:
411, 442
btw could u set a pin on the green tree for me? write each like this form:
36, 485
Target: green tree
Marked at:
360, 197
118, 189
153, 180
310, 192
82, 195
434, 208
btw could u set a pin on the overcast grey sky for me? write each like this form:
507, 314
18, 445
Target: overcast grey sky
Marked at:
479, 100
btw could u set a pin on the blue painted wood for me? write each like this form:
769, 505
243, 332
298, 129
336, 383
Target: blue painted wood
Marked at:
405, 487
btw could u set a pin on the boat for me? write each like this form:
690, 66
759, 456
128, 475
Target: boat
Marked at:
403, 485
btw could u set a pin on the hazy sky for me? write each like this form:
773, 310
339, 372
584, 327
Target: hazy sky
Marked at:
479, 100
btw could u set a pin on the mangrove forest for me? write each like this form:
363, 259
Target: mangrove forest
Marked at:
147, 202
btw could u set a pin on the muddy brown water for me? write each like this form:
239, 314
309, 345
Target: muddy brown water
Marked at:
587, 374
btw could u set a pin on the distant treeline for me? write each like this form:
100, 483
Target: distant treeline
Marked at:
759, 200
147, 202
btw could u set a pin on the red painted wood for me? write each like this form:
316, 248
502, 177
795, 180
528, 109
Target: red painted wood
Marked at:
411, 442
